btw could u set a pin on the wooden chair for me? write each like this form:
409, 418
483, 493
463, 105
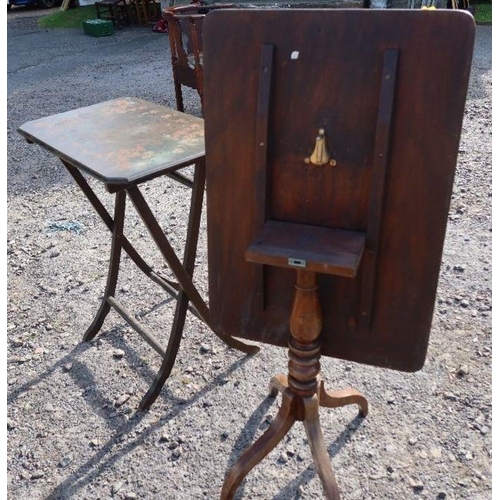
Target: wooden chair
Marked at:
185, 24
113, 10
455, 4
146, 12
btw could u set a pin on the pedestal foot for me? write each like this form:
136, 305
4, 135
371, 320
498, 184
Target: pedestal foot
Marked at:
336, 399
279, 383
258, 451
318, 448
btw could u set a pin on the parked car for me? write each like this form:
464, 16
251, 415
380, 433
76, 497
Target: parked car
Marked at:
43, 4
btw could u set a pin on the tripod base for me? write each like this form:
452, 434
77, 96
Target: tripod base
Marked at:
296, 408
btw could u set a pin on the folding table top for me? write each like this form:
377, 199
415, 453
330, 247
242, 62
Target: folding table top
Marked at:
386, 89
122, 140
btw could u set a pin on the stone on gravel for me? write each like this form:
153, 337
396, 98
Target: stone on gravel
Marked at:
65, 461
117, 487
416, 484
118, 353
49, 408
121, 400
205, 348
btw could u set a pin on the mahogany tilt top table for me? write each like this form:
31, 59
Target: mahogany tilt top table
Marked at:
328, 194
123, 143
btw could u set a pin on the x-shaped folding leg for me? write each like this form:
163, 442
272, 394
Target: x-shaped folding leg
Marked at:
188, 297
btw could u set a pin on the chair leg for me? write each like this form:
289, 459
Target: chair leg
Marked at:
178, 96
114, 265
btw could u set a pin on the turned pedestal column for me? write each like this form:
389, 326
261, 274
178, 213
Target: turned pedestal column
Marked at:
302, 391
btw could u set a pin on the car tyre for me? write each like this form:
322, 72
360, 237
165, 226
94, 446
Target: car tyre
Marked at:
46, 4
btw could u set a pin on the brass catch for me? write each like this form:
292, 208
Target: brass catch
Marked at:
320, 154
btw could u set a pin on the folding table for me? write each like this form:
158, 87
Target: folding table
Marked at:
123, 143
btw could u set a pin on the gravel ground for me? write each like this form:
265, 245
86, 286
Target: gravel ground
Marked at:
73, 426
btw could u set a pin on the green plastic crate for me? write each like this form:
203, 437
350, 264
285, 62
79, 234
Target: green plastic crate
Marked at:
98, 27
